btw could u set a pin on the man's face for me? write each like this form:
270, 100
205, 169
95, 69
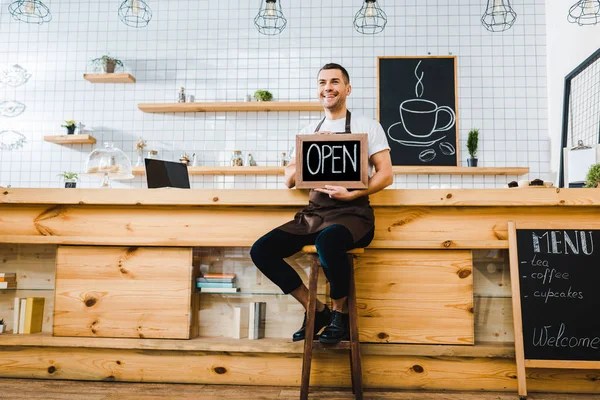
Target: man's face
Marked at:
332, 89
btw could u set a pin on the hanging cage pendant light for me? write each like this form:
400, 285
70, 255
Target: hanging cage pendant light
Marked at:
585, 12
370, 19
270, 19
30, 11
499, 16
135, 13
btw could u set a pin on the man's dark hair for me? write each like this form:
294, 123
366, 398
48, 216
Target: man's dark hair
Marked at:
336, 66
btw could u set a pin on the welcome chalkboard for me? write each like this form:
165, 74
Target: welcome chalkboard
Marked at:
418, 109
559, 276
334, 159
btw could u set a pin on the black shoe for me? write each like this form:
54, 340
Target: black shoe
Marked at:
337, 330
321, 319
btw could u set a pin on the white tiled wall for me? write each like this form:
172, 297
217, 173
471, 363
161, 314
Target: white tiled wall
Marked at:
213, 50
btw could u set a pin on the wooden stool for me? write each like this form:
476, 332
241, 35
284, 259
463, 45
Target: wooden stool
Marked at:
352, 345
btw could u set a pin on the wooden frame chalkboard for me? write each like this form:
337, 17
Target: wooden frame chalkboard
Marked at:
350, 147
553, 272
417, 108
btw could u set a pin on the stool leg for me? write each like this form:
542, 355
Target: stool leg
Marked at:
355, 364
310, 326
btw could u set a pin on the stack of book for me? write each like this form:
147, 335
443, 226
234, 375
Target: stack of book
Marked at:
29, 315
217, 283
8, 280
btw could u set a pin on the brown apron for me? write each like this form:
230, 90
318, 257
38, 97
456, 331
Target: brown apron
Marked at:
323, 211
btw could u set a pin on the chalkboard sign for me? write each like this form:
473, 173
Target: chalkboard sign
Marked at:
333, 159
559, 275
555, 278
417, 109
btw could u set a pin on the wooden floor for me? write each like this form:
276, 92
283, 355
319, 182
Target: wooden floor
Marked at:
78, 390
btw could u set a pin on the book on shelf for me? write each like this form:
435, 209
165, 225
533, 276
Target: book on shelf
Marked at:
34, 315
240, 322
219, 290
8, 275
215, 280
17, 313
219, 276
8, 278
8, 285
256, 320
215, 284
22, 310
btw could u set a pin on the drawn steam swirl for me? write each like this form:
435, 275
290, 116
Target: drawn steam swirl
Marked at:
419, 84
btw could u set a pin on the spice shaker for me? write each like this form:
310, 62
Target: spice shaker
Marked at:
181, 95
250, 161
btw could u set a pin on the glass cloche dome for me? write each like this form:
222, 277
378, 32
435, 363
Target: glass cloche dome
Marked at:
108, 163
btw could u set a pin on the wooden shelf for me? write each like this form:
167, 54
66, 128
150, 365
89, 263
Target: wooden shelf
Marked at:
224, 170
266, 345
419, 170
109, 78
231, 106
397, 170
70, 139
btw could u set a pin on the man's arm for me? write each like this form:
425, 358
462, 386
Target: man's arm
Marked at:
290, 174
382, 178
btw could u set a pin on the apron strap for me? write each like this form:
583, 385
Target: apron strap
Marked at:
348, 118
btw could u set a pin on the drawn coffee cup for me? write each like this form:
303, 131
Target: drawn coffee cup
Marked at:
420, 117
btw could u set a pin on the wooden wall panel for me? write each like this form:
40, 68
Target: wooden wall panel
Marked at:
330, 369
415, 296
123, 292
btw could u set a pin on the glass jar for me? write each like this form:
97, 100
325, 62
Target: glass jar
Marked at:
236, 159
152, 154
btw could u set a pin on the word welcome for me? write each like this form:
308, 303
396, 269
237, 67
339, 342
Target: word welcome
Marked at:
547, 339
327, 155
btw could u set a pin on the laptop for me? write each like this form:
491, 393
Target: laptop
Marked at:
166, 174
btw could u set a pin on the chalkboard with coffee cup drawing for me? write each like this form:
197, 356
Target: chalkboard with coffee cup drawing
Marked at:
334, 159
417, 109
555, 279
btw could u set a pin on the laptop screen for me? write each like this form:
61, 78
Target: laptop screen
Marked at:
160, 174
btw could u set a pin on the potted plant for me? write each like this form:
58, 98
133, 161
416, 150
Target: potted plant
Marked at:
70, 178
472, 143
592, 178
263, 95
106, 64
70, 125
1, 325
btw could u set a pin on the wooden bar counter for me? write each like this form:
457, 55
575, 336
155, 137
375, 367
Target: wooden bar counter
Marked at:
117, 270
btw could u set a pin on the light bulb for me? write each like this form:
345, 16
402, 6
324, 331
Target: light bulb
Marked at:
370, 11
29, 7
270, 11
135, 7
591, 7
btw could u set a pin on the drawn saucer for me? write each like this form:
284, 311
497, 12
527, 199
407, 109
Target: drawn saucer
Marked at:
398, 131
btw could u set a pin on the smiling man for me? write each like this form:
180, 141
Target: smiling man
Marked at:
335, 220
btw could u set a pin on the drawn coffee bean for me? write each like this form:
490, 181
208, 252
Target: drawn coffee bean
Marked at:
427, 155
447, 148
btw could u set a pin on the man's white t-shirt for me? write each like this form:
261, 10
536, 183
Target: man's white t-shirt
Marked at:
358, 124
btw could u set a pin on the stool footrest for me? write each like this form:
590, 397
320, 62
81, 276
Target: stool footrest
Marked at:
343, 345
312, 249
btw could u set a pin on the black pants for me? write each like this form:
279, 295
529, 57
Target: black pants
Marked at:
332, 244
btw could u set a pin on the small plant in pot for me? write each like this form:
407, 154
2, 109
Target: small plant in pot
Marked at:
472, 144
70, 125
1, 325
592, 179
106, 64
263, 95
70, 178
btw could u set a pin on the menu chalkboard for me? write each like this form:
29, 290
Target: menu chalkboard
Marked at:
559, 278
340, 159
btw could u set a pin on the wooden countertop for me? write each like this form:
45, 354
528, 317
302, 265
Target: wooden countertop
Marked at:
296, 198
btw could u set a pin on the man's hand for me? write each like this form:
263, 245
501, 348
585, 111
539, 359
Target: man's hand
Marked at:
337, 192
